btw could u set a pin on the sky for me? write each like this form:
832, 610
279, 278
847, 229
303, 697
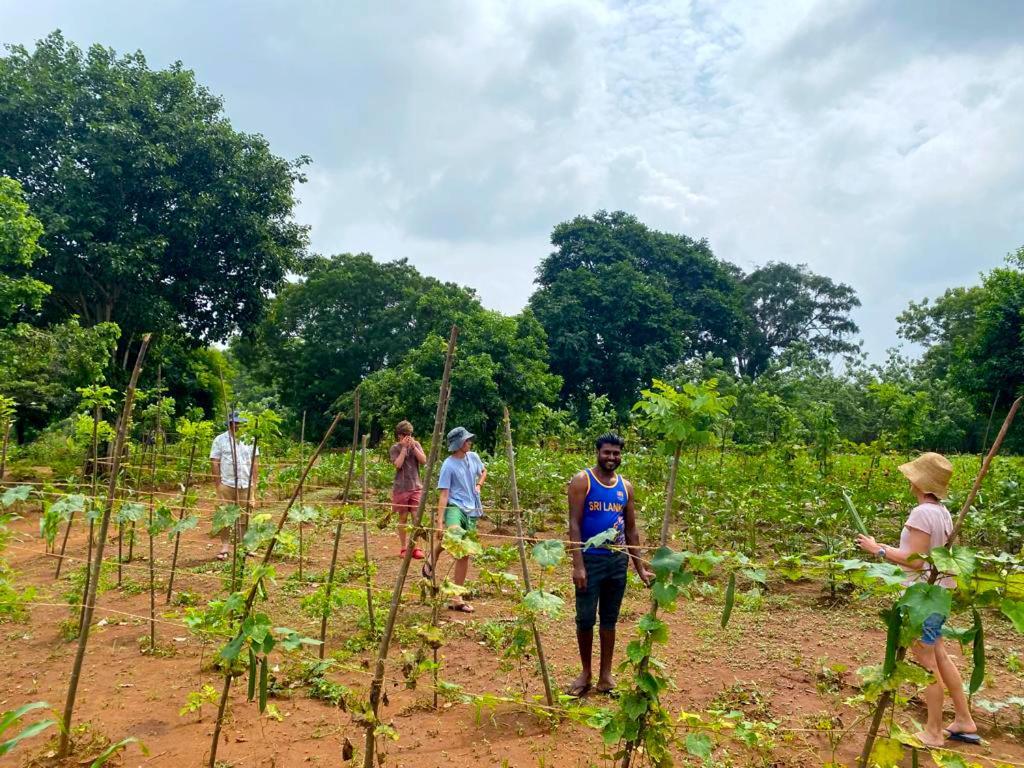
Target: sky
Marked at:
880, 143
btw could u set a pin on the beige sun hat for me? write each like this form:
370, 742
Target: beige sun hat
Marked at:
930, 472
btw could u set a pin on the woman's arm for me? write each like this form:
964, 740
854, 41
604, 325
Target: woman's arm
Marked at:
919, 543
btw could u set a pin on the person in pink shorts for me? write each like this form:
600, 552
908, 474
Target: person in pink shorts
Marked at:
407, 455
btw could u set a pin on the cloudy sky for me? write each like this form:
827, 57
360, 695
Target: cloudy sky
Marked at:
881, 143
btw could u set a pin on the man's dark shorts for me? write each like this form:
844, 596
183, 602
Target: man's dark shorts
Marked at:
606, 584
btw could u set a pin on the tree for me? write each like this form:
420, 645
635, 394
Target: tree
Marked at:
158, 215
787, 304
349, 317
499, 360
39, 367
621, 302
19, 248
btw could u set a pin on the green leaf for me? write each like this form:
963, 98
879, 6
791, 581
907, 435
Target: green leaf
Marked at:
548, 554
1014, 611
959, 562
113, 749
292, 640
303, 514
666, 562
634, 705
699, 745
730, 597
459, 544
225, 516
889, 574
13, 495
922, 600
655, 627
600, 539
28, 733
665, 594
636, 651
183, 525
978, 658
130, 512
539, 602
162, 520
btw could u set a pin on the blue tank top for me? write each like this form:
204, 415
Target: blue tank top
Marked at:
604, 507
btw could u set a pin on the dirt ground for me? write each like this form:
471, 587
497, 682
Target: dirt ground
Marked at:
768, 663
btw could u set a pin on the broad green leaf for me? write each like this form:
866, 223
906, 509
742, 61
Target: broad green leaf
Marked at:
636, 650
666, 562
459, 544
757, 575
889, 574
959, 562
225, 516
539, 602
130, 512
665, 593
1014, 611
703, 563
303, 514
922, 600
633, 705
13, 495
292, 640
162, 520
600, 539
655, 627
68, 505
548, 554
699, 745
183, 525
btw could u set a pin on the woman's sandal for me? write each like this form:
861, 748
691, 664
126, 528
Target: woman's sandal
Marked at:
461, 607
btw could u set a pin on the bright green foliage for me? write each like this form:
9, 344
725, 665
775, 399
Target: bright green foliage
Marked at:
459, 544
548, 554
13, 717
20, 293
922, 600
124, 165
57, 512
539, 602
225, 516
103, 757
1014, 611
684, 416
130, 512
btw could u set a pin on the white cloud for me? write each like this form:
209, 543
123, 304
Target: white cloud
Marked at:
877, 142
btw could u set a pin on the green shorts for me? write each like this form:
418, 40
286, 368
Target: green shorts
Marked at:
455, 517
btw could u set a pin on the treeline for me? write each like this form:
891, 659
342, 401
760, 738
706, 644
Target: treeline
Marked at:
131, 205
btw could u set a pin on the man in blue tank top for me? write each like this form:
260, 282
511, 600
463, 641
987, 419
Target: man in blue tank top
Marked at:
601, 500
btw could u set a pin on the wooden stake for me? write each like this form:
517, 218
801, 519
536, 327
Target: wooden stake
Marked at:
251, 597
89, 598
181, 516
366, 546
403, 570
522, 555
329, 586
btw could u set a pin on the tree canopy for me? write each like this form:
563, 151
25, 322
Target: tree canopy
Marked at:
158, 215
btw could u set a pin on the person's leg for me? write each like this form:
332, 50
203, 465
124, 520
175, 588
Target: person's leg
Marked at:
963, 722
613, 588
224, 496
931, 736
586, 616
468, 524
412, 503
399, 508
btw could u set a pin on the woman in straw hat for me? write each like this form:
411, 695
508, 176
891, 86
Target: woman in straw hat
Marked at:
929, 525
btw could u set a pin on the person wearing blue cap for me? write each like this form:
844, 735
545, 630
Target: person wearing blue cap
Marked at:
458, 505
232, 464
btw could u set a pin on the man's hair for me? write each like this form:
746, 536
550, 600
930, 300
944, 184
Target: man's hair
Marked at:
403, 428
610, 438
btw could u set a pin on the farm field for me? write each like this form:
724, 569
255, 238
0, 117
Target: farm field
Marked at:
787, 660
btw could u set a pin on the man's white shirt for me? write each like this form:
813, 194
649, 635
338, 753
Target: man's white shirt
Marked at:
221, 449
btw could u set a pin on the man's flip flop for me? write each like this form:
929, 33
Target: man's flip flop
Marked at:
222, 555
604, 689
962, 737
579, 691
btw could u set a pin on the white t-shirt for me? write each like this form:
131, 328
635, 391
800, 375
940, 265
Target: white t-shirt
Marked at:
935, 520
221, 450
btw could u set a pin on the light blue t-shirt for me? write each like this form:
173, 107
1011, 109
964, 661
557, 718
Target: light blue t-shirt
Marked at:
458, 477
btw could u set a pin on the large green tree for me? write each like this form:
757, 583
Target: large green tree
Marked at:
158, 215
39, 366
786, 305
348, 317
620, 302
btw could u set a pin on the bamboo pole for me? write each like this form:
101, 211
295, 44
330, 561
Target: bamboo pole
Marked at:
71, 517
181, 516
89, 598
886, 698
329, 586
149, 531
517, 514
377, 685
251, 597
3, 451
302, 501
97, 415
366, 546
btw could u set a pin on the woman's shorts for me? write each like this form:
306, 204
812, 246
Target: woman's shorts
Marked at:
931, 632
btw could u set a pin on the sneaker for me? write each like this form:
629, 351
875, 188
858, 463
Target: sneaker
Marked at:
417, 554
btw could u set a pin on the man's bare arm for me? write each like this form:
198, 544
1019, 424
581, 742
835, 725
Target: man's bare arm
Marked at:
215, 470
577, 497
633, 535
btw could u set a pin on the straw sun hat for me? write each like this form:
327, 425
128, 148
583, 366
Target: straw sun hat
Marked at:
930, 472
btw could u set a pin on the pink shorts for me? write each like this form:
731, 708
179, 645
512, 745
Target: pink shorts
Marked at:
405, 501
